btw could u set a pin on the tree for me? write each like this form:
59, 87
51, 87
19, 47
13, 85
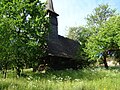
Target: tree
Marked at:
100, 15
73, 33
22, 31
81, 35
106, 41
88, 35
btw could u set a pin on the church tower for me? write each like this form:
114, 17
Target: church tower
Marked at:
53, 34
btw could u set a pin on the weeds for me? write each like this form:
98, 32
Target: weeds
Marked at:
87, 79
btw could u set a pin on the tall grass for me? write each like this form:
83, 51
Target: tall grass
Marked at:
87, 79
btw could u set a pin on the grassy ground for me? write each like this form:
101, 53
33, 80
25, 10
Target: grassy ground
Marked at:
87, 79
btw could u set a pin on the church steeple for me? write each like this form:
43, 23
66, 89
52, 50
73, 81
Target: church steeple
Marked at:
53, 20
50, 5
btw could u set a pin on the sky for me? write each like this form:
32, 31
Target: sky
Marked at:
73, 12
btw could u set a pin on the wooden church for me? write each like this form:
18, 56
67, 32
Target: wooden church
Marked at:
61, 51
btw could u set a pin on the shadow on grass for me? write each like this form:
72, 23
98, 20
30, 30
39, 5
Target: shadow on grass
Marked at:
64, 75
115, 68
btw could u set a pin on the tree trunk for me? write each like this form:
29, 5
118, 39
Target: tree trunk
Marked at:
35, 68
4, 70
18, 65
18, 71
105, 61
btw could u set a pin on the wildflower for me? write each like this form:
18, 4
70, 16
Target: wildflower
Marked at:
48, 80
77, 80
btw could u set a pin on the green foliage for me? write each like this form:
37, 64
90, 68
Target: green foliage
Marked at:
100, 35
100, 15
87, 79
95, 46
73, 33
22, 31
80, 34
107, 38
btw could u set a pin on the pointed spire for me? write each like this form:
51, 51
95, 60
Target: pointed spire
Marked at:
50, 5
53, 20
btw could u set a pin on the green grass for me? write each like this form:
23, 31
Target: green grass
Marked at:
87, 79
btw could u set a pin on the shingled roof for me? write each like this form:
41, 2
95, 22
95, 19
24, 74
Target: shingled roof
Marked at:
59, 46
62, 47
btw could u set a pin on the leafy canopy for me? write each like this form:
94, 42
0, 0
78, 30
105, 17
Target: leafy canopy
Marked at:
107, 39
22, 30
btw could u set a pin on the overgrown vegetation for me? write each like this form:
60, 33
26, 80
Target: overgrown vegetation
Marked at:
86, 79
22, 42
23, 29
100, 37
